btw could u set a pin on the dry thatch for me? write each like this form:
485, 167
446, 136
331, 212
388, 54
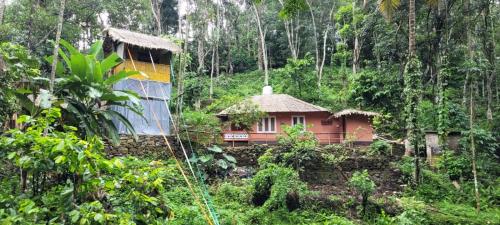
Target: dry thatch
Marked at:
141, 40
348, 112
279, 103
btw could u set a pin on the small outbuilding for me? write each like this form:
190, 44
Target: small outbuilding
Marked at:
151, 56
282, 109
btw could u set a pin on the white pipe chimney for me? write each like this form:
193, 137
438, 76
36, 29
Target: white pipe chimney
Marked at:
267, 90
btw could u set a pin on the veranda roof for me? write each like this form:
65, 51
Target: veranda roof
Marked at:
141, 40
278, 103
348, 112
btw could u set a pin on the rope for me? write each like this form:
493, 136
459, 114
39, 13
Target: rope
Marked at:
204, 188
178, 164
197, 176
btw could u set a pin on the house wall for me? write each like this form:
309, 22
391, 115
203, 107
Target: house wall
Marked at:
326, 133
360, 127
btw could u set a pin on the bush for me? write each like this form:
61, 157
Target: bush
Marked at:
297, 147
455, 165
215, 162
277, 187
70, 180
202, 128
380, 147
363, 185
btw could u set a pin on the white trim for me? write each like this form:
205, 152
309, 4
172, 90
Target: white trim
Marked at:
298, 116
269, 123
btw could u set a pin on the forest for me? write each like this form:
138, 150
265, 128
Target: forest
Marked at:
423, 65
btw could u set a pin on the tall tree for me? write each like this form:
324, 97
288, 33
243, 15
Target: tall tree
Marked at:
262, 41
56, 45
155, 8
2, 10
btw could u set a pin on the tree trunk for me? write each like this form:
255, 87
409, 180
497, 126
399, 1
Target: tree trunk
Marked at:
290, 34
211, 90
155, 7
316, 45
411, 28
201, 54
473, 149
320, 74
2, 10
489, 51
262, 44
357, 47
56, 45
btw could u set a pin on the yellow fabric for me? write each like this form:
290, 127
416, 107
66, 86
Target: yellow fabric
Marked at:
162, 73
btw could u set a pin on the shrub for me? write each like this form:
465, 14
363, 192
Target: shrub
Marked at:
455, 165
363, 185
297, 147
380, 147
277, 187
202, 128
215, 163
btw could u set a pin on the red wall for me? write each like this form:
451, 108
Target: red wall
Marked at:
326, 133
359, 127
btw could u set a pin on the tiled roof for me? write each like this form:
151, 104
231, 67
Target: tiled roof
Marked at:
279, 103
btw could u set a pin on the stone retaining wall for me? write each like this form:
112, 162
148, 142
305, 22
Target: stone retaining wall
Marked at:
151, 146
246, 156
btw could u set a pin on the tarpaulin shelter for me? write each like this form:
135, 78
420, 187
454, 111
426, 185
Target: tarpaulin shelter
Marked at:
152, 56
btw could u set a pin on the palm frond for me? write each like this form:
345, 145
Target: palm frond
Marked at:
388, 7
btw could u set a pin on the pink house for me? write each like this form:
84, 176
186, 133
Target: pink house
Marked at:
282, 109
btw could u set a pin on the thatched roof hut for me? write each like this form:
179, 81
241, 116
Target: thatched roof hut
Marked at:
348, 112
141, 40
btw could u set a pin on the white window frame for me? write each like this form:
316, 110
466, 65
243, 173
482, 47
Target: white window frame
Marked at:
269, 124
299, 116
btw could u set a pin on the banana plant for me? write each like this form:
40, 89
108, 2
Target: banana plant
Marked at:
85, 83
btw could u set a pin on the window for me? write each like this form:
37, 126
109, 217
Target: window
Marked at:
267, 124
299, 120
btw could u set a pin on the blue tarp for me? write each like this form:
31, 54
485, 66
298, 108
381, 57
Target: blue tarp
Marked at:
158, 94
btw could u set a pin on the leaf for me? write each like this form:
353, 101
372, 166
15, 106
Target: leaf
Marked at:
99, 218
229, 158
96, 50
206, 158
222, 164
74, 215
115, 78
94, 93
59, 65
60, 159
72, 50
118, 164
110, 62
79, 65
12, 155
215, 148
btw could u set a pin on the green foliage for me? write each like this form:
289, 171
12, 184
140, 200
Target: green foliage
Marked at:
275, 184
363, 185
484, 140
295, 78
245, 114
414, 212
71, 180
15, 64
455, 165
214, 162
297, 147
86, 88
202, 128
380, 147
412, 93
